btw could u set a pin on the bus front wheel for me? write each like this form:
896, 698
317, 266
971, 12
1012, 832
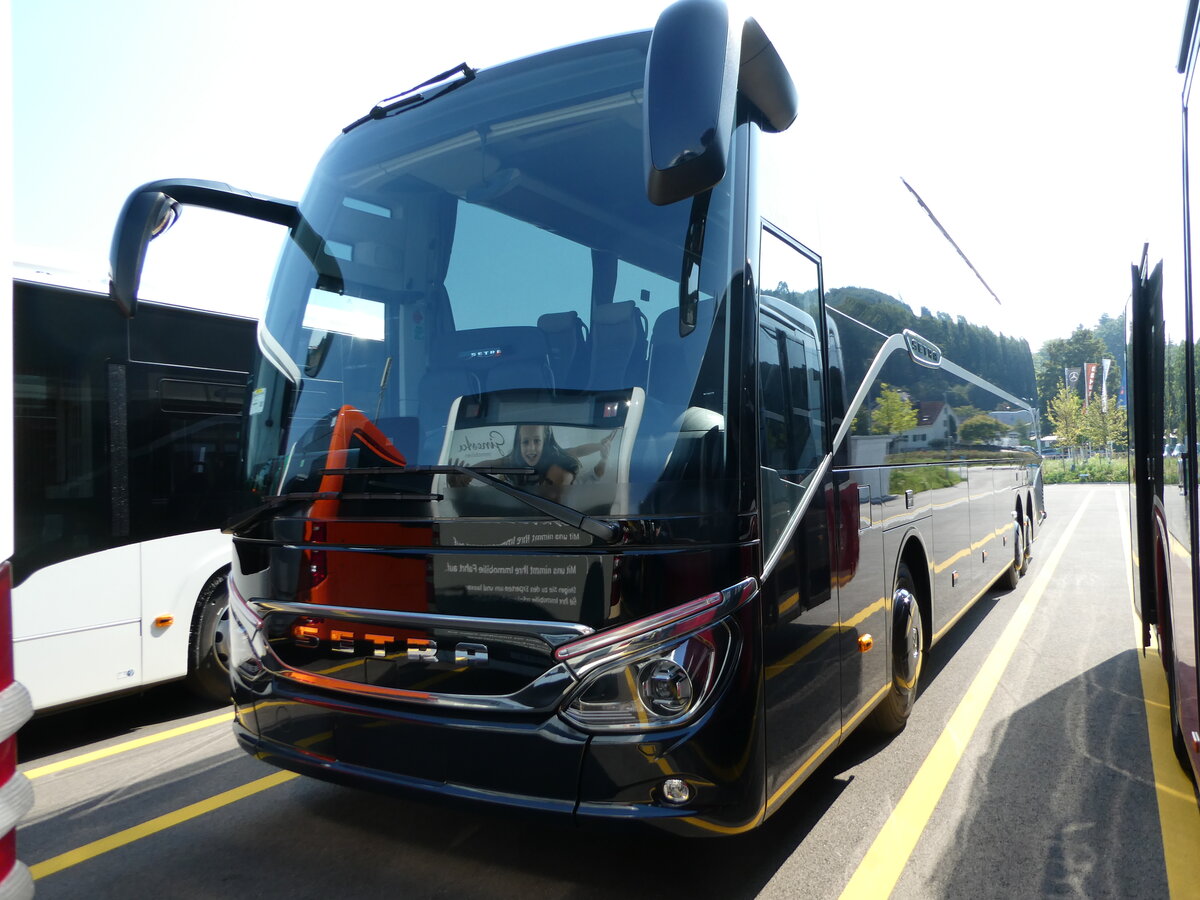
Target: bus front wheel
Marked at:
208, 662
908, 654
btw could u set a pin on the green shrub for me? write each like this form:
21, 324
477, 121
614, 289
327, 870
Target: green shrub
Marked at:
922, 478
1095, 469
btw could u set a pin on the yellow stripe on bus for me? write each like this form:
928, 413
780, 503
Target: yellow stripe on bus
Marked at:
778, 668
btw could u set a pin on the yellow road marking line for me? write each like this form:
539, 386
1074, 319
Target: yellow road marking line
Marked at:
51, 768
1178, 814
153, 826
881, 867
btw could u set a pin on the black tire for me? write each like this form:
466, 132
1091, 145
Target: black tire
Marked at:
1012, 577
908, 655
1030, 537
208, 655
1177, 741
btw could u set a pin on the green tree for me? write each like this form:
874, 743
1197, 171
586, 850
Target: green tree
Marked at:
1080, 348
1102, 428
893, 412
981, 429
1065, 411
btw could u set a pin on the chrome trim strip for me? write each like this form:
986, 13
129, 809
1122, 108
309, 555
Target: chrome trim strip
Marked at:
548, 630
543, 695
585, 655
891, 345
954, 368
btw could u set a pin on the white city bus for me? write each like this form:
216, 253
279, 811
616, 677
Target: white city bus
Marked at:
126, 456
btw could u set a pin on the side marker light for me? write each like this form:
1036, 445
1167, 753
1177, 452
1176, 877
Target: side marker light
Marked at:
164, 621
865, 643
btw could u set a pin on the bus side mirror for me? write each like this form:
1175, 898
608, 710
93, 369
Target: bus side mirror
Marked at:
691, 88
698, 63
145, 216
153, 208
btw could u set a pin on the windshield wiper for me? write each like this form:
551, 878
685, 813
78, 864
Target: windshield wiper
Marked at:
424, 470
608, 532
271, 505
412, 97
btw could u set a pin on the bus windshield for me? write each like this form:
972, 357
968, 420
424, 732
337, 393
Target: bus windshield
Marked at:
480, 281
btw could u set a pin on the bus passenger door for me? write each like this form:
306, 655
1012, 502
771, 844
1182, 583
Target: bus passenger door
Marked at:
800, 613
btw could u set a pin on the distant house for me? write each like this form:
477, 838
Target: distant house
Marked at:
936, 426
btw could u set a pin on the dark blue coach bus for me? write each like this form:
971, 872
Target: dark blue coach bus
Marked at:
573, 481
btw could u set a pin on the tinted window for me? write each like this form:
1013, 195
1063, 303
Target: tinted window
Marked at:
108, 452
491, 261
792, 428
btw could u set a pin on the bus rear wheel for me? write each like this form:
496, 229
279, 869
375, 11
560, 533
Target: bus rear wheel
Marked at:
208, 662
1020, 562
1166, 650
908, 655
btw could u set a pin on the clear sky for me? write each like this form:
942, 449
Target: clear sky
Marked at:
1044, 133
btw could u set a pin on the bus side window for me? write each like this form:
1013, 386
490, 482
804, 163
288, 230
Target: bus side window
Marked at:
792, 432
780, 492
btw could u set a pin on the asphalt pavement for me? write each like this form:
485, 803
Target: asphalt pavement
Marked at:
1026, 770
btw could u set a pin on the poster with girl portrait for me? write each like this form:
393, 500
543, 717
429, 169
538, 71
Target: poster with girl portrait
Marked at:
571, 447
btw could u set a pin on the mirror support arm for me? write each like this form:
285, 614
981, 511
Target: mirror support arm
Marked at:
152, 208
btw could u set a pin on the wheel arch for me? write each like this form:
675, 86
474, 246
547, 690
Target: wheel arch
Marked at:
212, 583
912, 554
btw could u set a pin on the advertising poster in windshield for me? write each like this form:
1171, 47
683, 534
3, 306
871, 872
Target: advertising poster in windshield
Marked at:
572, 448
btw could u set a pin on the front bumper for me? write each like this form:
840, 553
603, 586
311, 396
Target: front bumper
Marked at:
537, 763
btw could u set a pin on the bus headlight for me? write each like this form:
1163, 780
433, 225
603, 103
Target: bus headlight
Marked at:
656, 672
659, 689
666, 687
